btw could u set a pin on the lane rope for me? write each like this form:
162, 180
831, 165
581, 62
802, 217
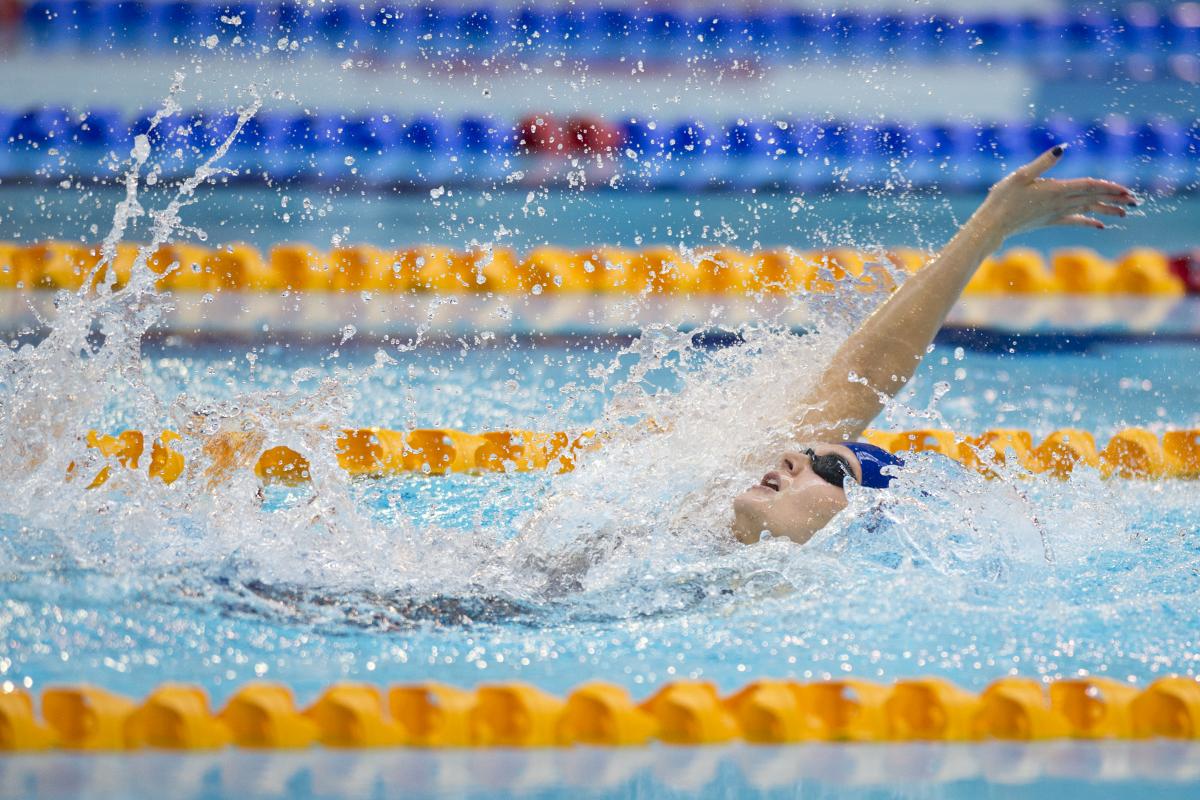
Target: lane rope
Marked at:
436, 269
433, 715
1132, 453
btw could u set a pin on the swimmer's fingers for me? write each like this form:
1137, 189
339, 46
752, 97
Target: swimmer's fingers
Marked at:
1096, 187
1106, 209
1039, 166
1079, 221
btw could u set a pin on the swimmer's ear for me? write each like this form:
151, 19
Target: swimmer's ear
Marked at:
1040, 165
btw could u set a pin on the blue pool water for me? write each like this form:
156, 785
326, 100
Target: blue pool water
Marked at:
441, 577
1054, 771
622, 570
524, 219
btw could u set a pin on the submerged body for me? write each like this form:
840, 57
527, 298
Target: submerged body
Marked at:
805, 490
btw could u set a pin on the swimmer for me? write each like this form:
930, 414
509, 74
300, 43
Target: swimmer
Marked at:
805, 490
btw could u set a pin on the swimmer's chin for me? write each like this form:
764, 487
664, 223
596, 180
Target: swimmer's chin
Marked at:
748, 519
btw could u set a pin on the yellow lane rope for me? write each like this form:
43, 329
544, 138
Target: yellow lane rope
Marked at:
432, 715
1132, 453
553, 270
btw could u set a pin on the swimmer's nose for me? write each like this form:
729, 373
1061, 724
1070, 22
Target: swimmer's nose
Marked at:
792, 463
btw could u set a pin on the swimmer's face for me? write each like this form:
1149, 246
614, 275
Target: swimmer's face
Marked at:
792, 500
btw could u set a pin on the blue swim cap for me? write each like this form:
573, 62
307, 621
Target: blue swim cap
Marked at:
873, 459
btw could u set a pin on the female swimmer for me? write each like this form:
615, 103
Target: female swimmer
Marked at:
804, 490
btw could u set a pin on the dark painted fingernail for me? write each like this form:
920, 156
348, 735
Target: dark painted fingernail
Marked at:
1057, 151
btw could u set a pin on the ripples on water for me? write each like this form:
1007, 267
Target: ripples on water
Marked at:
622, 569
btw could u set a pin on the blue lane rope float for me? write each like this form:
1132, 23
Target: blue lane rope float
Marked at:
638, 153
593, 32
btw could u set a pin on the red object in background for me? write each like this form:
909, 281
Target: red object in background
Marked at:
11, 12
589, 136
1186, 266
542, 135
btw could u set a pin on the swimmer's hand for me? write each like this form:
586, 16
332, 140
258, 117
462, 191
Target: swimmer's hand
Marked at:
1025, 200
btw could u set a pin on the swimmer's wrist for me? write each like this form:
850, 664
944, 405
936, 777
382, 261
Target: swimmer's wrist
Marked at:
985, 230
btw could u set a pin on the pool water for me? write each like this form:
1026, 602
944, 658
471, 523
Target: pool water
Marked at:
1054, 771
457, 578
622, 570
523, 219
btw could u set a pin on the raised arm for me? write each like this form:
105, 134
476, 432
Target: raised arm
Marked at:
878, 359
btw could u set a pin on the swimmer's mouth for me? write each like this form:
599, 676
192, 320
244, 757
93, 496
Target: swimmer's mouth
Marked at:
771, 481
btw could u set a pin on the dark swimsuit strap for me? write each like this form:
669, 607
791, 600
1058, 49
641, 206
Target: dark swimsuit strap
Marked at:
873, 459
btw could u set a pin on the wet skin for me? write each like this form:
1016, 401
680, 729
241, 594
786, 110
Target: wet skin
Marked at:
792, 500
